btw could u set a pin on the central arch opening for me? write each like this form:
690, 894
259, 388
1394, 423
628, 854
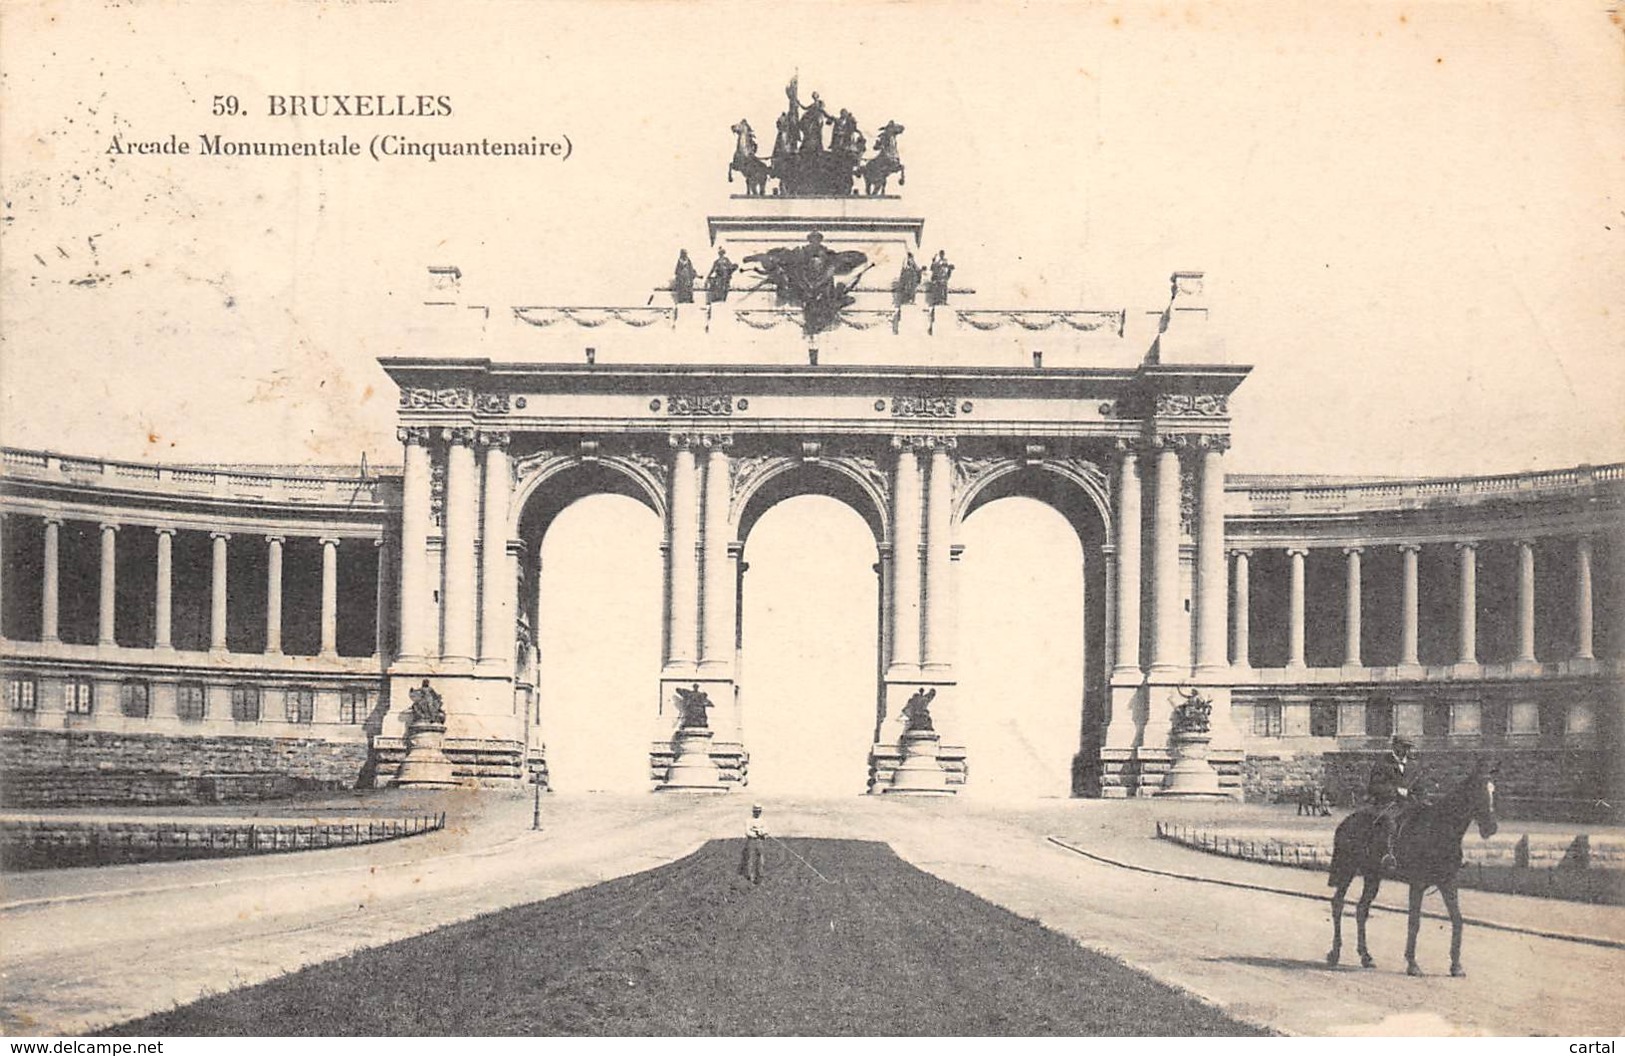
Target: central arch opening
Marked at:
810, 641
598, 635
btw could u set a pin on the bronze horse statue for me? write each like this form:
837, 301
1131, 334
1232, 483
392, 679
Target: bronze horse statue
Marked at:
1427, 849
745, 161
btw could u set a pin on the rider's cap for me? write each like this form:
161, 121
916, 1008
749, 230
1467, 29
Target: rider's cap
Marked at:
755, 806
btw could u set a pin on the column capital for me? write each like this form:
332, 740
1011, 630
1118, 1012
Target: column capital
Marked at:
494, 438
1127, 447
219, 535
1408, 548
53, 518
1243, 552
1353, 551
163, 530
1297, 551
1527, 542
1171, 441
329, 540
1467, 544
1213, 443
414, 434
703, 441
459, 435
109, 526
276, 539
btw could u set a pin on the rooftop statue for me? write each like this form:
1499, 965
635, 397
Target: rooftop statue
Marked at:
803, 165
806, 275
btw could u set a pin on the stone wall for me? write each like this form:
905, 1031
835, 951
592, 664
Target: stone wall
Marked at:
54, 768
1279, 778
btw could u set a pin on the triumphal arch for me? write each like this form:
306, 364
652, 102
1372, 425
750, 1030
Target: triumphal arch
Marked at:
816, 355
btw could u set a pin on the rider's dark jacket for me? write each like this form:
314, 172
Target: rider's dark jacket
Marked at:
1388, 777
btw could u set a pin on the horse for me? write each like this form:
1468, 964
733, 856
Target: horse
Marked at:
1427, 849
745, 161
877, 170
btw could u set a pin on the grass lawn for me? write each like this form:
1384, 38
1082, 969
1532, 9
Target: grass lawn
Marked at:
692, 949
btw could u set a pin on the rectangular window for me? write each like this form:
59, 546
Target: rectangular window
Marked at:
1267, 720
22, 694
245, 703
135, 699
1435, 718
301, 704
1379, 718
191, 703
1323, 718
353, 706
79, 696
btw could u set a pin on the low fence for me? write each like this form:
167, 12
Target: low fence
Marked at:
61, 843
1566, 870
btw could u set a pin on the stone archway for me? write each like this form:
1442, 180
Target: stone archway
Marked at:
588, 535
1010, 692
809, 533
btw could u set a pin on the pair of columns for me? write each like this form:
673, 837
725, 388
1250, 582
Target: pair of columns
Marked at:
163, 589
1467, 628
478, 594
918, 586
1170, 658
702, 574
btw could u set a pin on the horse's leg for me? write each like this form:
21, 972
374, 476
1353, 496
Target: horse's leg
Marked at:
1368, 894
1337, 921
1453, 904
1413, 924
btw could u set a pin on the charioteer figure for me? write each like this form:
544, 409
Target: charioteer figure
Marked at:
813, 119
1392, 779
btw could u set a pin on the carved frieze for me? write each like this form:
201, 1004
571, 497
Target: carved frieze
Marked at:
699, 406
491, 402
924, 407
1192, 405
451, 399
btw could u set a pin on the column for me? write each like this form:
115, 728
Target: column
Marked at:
462, 515
720, 585
1241, 586
1210, 565
163, 590
380, 623
1127, 566
1526, 601
1408, 604
273, 594
498, 590
1352, 614
905, 592
330, 596
1168, 649
1584, 645
1467, 603
938, 592
217, 592
107, 610
414, 584
682, 539
50, 570
1294, 634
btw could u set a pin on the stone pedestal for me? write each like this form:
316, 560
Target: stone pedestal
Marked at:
1191, 776
921, 772
426, 765
693, 770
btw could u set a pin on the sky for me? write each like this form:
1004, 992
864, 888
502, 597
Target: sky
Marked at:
1409, 214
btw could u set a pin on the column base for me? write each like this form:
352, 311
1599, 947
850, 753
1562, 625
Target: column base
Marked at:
1190, 777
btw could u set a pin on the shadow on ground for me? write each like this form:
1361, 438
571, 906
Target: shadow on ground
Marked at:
691, 948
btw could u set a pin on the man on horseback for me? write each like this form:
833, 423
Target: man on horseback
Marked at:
1390, 790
